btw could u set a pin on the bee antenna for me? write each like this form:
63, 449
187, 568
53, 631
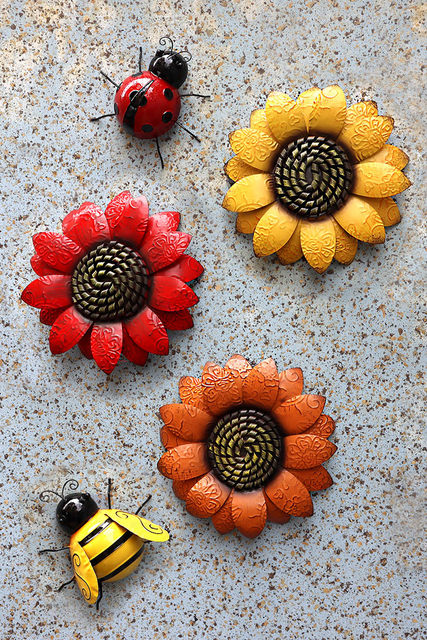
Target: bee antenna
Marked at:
72, 484
44, 497
164, 41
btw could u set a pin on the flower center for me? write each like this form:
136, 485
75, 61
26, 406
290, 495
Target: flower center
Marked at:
110, 283
313, 176
245, 448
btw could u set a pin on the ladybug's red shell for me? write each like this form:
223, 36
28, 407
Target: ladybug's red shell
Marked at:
159, 111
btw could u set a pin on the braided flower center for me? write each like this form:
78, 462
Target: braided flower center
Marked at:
313, 176
110, 283
245, 448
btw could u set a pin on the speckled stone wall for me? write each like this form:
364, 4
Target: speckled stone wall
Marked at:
352, 571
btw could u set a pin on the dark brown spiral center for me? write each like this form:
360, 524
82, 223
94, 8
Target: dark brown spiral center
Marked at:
244, 448
110, 283
313, 176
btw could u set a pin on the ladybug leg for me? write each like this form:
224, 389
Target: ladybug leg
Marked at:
193, 135
65, 584
109, 79
143, 505
196, 95
160, 153
106, 115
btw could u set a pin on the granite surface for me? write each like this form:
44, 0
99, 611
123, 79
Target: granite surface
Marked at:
355, 569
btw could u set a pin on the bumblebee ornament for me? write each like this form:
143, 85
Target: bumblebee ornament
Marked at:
147, 103
106, 544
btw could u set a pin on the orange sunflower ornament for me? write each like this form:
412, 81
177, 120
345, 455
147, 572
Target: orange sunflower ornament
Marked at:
245, 445
313, 177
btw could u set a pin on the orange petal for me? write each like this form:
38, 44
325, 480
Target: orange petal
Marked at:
252, 192
323, 427
236, 169
169, 439
297, 414
289, 494
207, 496
292, 250
261, 386
361, 220
191, 391
306, 451
186, 421
259, 121
184, 462
345, 244
240, 364
386, 208
222, 519
318, 242
390, 155
284, 116
314, 479
366, 135
249, 512
247, 222
222, 388
182, 487
256, 148
378, 180
274, 514
291, 384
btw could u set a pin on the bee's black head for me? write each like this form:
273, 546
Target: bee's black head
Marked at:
170, 65
74, 509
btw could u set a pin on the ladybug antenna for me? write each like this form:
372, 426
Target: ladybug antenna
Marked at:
163, 42
140, 60
186, 55
44, 497
72, 484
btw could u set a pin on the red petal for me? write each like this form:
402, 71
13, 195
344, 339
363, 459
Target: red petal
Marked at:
84, 345
48, 316
163, 221
186, 267
131, 351
48, 292
249, 512
222, 519
106, 345
68, 329
274, 514
147, 330
207, 496
176, 320
160, 249
86, 225
169, 439
58, 251
306, 451
184, 462
40, 267
171, 294
128, 218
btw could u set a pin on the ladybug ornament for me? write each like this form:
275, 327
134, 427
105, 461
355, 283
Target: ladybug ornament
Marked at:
148, 103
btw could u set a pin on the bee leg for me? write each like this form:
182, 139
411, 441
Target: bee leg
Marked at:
143, 505
52, 550
99, 595
110, 482
65, 584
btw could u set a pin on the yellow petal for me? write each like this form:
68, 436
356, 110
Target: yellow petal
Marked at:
366, 108
237, 169
292, 251
390, 155
324, 109
386, 208
361, 220
285, 118
252, 192
378, 180
318, 242
255, 147
247, 222
366, 135
346, 245
259, 121
274, 230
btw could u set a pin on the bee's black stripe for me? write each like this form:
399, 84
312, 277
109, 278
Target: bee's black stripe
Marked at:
123, 566
90, 536
118, 543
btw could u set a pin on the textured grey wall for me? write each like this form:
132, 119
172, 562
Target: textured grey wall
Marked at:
354, 570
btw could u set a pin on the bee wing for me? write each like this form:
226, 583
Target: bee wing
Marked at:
84, 573
139, 526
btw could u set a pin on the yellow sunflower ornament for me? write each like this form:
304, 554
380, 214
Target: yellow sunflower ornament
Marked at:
313, 177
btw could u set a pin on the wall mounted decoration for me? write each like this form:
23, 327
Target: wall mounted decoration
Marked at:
114, 281
312, 177
245, 445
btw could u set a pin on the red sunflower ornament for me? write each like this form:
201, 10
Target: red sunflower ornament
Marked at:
246, 446
114, 281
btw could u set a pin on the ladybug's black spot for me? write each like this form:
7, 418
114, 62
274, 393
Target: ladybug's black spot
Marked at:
147, 128
116, 108
167, 116
168, 93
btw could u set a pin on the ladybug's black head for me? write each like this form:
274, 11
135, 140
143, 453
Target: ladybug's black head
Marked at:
74, 509
169, 65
